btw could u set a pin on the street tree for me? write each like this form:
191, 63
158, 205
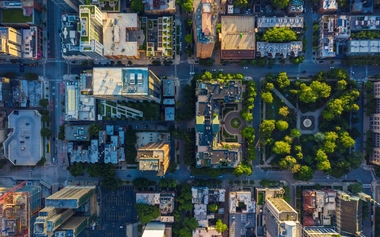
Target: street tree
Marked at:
281, 147
267, 97
283, 111
141, 183
43, 103
280, 3
191, 223
45, 118
220, 226
76, 169
185, 232
45, 132
189, 38
241, 3
282, 79
356, 159
243, 169
355, 188
31, 76
93, 130
248, 133
167, 183
137, 6
305, 173
282, 125
206, 76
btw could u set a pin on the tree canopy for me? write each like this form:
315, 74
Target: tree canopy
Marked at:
283, 111
282, 125
213, 207
305, 173
45, 132
137, 6
355, 188
43, 103
248, 133
266, 127
279, 34
189, 38
243, 169
220, 226
280, 3
281, 147
147, 212
282, 79
241, 3
267, 97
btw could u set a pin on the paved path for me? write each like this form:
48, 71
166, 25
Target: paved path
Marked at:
227, 123
282, 97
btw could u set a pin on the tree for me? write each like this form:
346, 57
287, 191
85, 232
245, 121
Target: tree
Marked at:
185, 232
323, 162
206, 76
283, 111
220, 226
43, 103
137, 6
341, 85
167, 183
356, 159
319, 137
280, 3
345, 140
269, 86
267, 97
294, 133
189, 38
282, 125
279, 34
45, 132
282, 79
76, 169
41, 162
241, 3
266, 127
248, 133
45, 118
141, 183
305, 173
31, 76
355, 188
321, 89
146, 212
281, 147
61, 133
93, 130
243, 169
191, 223
213, 207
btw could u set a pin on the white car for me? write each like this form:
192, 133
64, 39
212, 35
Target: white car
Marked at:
220, 70
213, 70
245, 67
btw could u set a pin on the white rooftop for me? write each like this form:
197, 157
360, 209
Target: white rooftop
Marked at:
148, 198
154, 229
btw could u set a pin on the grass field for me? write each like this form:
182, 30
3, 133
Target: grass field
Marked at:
14, 16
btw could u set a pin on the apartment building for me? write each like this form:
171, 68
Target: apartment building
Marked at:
333, 28
154, 157
348, 214
91, 31
327, 6
319, 207
32, 43
295, 23
160, 37
242, 209
122, 36
237, 37
10, 43
280, 219
164, 200
363, 47
295, 7
374, 126
128, 83
154, 7
212, 150
360, 23
271, 50
66, 212
21, 13
204, 22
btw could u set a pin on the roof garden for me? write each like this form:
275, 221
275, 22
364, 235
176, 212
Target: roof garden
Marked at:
14, 15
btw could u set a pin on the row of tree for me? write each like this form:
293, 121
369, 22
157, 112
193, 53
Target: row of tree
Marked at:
248, 101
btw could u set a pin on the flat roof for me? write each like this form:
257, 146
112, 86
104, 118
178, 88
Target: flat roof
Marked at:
169, 113
23, 145
154, 229
116, 34
128, 81
270, 22
168, 86
238, 32
364, 46
271, 49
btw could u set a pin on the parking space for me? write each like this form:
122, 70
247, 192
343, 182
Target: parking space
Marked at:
118, 208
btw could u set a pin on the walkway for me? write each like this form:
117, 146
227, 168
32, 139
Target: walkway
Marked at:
228, 123
286, 101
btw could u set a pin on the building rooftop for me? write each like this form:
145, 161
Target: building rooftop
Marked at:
78, 106
77, 133
70, 36
70, 197
329, 5
363, 46
206, 232
203, 16
199, 195
120, 81
237, 37
81, 154
30, 41
365, 23
148, 198
169, 113
166, 202
9, 38
117, 34
293, 48
23, 145
241, 202
168, 88
317, 231
154, 229
156, 5
289, 22
154, 157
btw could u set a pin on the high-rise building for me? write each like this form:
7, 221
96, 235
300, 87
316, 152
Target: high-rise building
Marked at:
280, 219
10, 43
154, 157
374, 126
19, 208
66, 212
91, 31
348, 214
128, 83
204, 27
21, 14
69, 6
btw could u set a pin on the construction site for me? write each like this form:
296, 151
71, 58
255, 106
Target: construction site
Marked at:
19, 206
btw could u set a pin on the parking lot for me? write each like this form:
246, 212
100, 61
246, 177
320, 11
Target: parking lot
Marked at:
117, 208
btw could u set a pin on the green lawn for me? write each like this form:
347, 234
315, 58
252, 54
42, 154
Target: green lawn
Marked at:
14, 16
260, 198
271, 111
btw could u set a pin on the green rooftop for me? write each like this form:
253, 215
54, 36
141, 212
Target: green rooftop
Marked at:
14, 16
